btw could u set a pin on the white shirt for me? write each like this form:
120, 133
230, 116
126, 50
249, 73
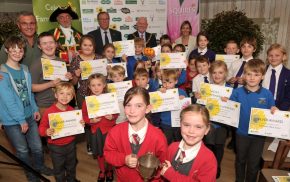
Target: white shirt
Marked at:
267, 79
141, 133
69, 36
202, 52
108, 35
197, 80
189, 153
144, 35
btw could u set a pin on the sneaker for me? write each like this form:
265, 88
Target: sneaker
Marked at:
47, 171
89, 150
109, 176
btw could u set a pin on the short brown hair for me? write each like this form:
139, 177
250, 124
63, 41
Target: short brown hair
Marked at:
255, 65
231, 42
117, 69
13, 41
217, 64
196, 109
64, 85
250, 40
90, 38
169, 73
142, 72
44, 34
136, 91
106, 46
139, 41
201, 59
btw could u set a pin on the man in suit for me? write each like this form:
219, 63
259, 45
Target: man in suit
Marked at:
104, 35
150, 39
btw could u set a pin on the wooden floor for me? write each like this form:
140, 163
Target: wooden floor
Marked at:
87, 168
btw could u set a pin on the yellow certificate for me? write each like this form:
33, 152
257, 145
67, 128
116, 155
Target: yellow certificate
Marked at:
281, 178
102, 105
213, 91
157, 51
66, 123
172, 60
52, 69
94, 66
124, 47
224, 112
175, 115
168, 101
123, 64
120, 88
263, 123
228, 59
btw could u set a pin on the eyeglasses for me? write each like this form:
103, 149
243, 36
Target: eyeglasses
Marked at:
25, 24
18, 51
104, 19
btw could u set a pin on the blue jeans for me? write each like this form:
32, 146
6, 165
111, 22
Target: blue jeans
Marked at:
26, 143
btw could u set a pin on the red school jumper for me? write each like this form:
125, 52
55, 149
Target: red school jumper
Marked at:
44, 125
104, 124
117, 147
204, 167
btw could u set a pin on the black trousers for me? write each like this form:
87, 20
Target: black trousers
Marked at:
248, 157
64, 161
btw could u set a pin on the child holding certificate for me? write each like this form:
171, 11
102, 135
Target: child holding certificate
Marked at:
100, 126
109, 53
250, 147
141, 79
202, 49
127, 141
169, 80
216, 138
191, 72
62, 150
190, 160
277, 77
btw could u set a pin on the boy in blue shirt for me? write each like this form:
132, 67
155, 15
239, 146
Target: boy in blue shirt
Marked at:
252, 95
18, 109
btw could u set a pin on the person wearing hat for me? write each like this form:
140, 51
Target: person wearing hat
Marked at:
66, 36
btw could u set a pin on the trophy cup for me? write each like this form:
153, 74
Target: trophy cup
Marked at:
147, 166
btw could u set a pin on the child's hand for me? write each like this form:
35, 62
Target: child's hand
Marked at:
233, 80
163, 90
95, 120
36, 116
78, 72
273, 109
109, 116
68, 75
224, 99
24, 127
124, 58
82, 122
181, 97
166, 165
49, 131
131, 161
197, 95
53, 83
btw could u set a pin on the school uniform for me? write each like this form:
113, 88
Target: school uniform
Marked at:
119, 144
199, 164
282, 86
197, 80
205, 52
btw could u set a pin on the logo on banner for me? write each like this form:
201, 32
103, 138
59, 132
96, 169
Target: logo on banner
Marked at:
99, 9
162, 2
131, 2
105, 2
125, 10
116, 19
124, 27
128, 19
112, 10
88, 11
86, 20
118, 2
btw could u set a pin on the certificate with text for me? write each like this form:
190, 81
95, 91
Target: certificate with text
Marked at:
53, 70
123, 64
94, 66
120, 88
227, 113
263, 123
281, 178
168, 101
213, 91
66, 123
172, 60
175, 115
228, 59
102, 105
124, 47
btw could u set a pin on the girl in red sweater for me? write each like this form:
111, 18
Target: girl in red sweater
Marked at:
100, 126
129, 140
189, 160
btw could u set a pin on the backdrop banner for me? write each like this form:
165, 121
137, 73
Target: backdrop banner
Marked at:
123, 15
179, 11
42, 10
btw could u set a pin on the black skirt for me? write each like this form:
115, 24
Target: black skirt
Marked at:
98, 142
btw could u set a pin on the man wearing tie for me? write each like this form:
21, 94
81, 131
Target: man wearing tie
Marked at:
104, 35
149, 39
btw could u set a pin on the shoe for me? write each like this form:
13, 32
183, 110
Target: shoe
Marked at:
102, 177
47, 171
109, 176
89, 150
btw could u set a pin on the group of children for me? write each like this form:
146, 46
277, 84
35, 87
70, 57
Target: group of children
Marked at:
189, 157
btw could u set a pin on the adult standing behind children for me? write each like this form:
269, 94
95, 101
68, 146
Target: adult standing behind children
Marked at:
104, 35
27, 26
142, 24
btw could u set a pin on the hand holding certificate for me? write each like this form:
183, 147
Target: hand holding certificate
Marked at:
66, 123
124, 47
264, 123
228, 59
53, 69
168, 101
102, 105
175, 115
172, 60
120, 88
94, 66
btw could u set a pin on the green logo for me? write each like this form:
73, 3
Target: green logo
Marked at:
112, 10
105, 2
88, 11
116, 19
124, 27
131, 2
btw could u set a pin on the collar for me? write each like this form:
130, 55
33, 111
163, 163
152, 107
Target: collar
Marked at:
243, 59
249, 91
141, 133
189, 153
139, 33
102, 30
277, 68
65, 29
35, 37
202, 51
